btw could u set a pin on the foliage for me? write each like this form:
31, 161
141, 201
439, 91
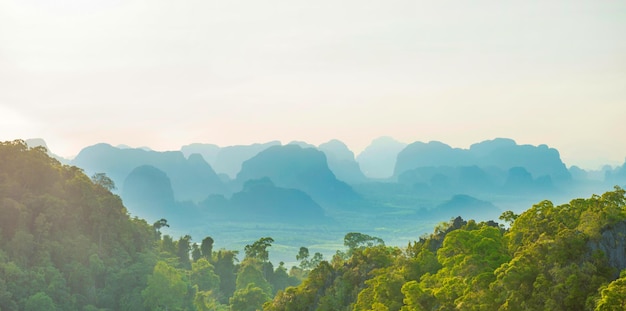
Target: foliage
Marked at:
166, 288
68, 243
544, 261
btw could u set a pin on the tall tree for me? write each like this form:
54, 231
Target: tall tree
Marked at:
258, 249
166, 288
207, 248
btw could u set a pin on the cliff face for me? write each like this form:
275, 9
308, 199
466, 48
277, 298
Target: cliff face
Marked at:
613, 244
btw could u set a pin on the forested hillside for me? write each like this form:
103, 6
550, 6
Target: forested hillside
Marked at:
68, 243
566, 257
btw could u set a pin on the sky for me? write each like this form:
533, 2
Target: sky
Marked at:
164, 74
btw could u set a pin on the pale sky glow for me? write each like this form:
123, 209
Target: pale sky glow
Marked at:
168, 73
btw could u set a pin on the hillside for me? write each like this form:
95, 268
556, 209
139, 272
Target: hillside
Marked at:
66, 242
565, 257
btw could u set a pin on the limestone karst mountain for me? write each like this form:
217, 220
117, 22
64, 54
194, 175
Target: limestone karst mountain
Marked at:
341, 161
379, 158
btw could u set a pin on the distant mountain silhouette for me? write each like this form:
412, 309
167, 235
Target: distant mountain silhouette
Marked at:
449, 179
229, 159
208, 151
261, 200
467, 207
147, 191
502, 153
538, 160
378, 160
616, 176
306, 169
302, 144
341, 161
192, 179
38, 142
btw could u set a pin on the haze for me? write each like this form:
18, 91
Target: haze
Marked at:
166, 73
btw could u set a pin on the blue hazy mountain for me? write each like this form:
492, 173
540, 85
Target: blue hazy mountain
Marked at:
537, 160
192, 179
454, 179
261, 200
341, 162
147, 191
305, 169
501, 153
208, 151
302, 144
229, 159
467, 207
378, 160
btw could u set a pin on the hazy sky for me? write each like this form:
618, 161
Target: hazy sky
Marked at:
167, 73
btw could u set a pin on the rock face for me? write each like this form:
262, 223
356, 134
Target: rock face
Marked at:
612, 244
341, 161
379, 158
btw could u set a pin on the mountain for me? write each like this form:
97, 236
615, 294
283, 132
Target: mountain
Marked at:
192, 179
379, 158
467, 207
341, 161
208, 151
505, 153
305, 169
261, 201
67, 242
454, 179
229, 159
302, 144
432, 154
501, 153
147, 192
38, 142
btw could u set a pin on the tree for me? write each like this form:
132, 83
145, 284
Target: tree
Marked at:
206, 248
258, 249
102, 180
303, 256
196, 254
250, 273
183, 246
166, 288
250, 298
203, 276
306, 263
225, 269
158, 225
205, 301
355, 240
508, 216
613, 296
39, 302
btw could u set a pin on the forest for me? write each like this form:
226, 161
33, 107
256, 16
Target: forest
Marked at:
68, 243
